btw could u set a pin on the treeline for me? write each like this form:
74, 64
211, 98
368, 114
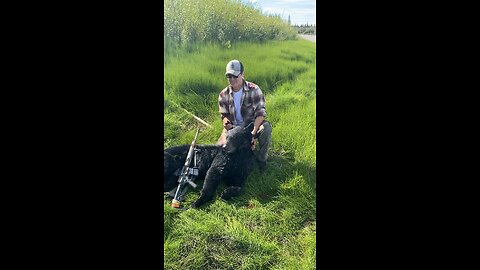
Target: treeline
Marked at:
220, 21
306, 29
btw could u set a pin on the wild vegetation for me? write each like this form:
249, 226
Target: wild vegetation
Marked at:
272, 225
220, 21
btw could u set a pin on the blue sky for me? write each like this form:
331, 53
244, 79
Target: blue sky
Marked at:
300, 11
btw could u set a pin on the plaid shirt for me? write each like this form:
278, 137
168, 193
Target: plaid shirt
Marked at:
253, 103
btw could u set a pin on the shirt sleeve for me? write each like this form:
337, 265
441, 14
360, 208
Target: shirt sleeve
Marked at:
259, 103
223, 105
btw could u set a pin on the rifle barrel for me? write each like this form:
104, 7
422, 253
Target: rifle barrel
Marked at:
183, 177
196, 135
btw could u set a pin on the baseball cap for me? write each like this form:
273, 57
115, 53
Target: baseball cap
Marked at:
234, 67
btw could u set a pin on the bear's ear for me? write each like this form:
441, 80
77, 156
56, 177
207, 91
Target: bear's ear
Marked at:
249, 128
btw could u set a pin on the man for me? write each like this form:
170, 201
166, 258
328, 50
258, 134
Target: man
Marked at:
240, 103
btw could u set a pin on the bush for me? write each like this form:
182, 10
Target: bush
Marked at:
220, 21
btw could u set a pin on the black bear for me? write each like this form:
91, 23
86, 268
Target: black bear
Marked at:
231, 164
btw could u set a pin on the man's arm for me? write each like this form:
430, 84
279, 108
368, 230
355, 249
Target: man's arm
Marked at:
256, 125
260, 113
223, 109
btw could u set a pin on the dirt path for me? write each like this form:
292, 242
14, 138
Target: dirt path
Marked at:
312, 38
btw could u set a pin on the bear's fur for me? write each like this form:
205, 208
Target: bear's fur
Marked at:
231, 164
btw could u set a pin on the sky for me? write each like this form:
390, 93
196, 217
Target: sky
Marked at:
300, 11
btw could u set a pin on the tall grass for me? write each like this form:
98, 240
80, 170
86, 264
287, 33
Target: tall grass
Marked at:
193, 81
272, 225
190, 22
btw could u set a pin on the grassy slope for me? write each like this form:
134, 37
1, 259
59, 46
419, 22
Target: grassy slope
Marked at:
272, 225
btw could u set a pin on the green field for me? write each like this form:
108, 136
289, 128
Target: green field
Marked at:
277, 231
272, 225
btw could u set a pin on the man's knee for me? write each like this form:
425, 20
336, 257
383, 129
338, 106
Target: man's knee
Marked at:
267, 128
266, 135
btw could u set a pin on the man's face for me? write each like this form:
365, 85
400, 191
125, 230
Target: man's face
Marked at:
235, 82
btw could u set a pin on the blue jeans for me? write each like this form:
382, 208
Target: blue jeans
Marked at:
264, 140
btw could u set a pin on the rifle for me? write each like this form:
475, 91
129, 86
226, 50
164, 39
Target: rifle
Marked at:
186, 174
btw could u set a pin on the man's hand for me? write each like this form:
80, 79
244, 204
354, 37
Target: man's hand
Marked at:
227, 125
254, 142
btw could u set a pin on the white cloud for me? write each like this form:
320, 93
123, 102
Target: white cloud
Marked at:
295, 2
289, 3
300, 11
297, 15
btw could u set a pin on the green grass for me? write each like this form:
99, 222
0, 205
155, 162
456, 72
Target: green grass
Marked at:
272, 225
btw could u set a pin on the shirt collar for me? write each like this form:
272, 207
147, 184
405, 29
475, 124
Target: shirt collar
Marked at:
245, 87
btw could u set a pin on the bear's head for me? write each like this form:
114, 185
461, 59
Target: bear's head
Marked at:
239, 138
